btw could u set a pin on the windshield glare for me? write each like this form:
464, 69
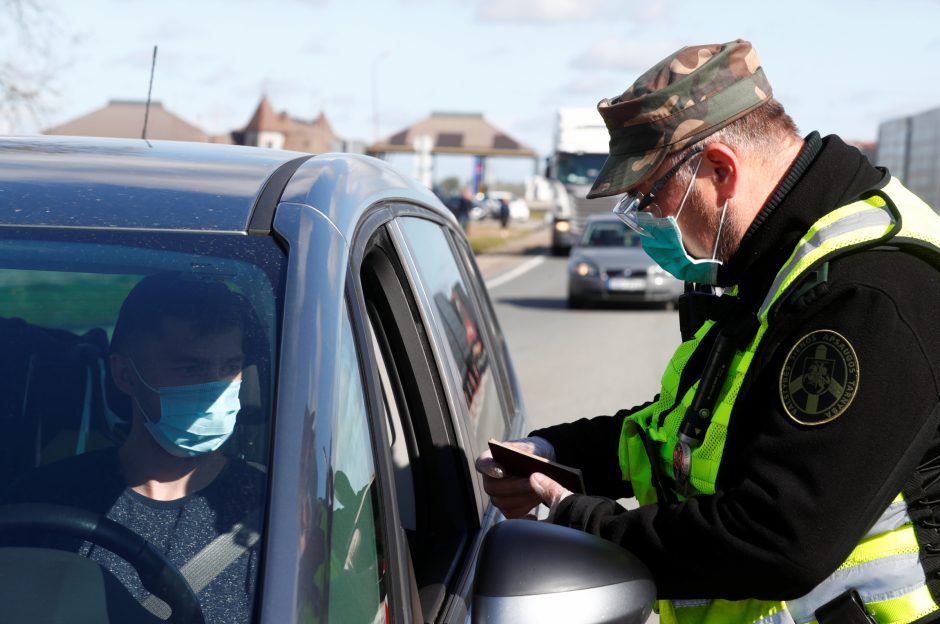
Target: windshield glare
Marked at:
138, 385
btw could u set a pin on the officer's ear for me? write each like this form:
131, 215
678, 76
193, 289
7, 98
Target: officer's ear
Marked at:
724, 167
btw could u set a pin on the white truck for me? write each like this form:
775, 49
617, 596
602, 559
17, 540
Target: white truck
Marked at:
580, 149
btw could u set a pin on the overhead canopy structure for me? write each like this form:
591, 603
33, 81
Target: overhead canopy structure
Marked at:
454, 133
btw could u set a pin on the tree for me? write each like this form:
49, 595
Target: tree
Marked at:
28, 65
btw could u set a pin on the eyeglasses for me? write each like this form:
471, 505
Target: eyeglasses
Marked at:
635, 202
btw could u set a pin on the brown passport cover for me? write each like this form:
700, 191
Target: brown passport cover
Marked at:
521, 464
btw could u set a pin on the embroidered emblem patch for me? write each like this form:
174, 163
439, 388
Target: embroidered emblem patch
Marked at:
819, 378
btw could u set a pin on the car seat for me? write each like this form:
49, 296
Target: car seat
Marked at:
53, 395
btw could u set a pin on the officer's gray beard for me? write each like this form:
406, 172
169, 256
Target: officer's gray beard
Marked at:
730, 235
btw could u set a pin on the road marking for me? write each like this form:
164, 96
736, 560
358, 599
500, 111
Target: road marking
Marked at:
514, 273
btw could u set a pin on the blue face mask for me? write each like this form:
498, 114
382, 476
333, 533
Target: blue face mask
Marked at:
195, 419
663, 243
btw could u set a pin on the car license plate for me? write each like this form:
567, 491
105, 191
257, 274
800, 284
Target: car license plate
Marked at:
626, 283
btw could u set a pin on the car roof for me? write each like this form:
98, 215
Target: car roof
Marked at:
172, 185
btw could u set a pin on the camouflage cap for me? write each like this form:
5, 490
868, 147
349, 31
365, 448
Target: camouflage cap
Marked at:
682, 99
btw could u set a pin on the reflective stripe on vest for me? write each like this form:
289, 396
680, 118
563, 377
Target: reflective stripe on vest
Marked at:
885, 566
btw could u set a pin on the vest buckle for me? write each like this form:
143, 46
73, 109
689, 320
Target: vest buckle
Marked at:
846, 608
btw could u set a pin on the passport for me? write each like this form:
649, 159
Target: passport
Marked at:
518, 463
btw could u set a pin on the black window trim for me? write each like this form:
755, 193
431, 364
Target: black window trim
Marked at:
507, 404
396, 544
375, 224
487, 514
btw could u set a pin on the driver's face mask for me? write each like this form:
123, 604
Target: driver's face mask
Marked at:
194, 419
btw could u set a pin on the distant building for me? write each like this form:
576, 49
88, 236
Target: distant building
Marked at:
454, 133
125, 119
280, 131
466, 134
910, 148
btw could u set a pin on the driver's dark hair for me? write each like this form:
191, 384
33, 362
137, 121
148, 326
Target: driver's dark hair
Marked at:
207, 303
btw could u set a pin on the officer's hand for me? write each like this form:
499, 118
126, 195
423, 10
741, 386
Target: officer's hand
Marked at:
549, 492
513, 496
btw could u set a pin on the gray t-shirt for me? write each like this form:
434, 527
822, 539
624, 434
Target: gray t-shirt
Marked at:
179, 529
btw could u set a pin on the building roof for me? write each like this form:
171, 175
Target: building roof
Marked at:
264, 119
315, 136
125, 119
455, 133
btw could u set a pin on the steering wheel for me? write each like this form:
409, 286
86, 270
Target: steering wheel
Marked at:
157, 574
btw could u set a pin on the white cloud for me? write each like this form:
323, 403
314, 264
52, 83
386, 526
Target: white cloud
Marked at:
169, 31
592, 84
313, 47
544, 11
568, 11
652, 10
624, 53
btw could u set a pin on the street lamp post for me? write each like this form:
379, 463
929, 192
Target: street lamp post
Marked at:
375, 94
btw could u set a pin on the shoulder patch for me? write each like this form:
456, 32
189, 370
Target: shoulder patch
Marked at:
819, 378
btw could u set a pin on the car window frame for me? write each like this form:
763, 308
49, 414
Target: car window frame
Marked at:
445, 362
401, 607
506, 385
453, 606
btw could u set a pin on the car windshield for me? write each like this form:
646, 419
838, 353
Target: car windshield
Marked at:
579, 168
609, 234
128, 360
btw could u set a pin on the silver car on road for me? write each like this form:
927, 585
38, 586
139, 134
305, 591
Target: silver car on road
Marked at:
609, 264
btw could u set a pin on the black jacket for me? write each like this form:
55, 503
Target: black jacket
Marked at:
791, 500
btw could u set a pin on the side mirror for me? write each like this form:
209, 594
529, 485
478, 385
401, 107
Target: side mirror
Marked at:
540, 572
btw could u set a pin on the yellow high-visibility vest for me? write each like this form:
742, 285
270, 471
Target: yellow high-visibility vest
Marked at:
894, 214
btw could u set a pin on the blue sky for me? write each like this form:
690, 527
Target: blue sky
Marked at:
839, 67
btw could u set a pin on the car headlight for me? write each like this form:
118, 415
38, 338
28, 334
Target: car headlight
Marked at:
562, 226
584, 268
658, 275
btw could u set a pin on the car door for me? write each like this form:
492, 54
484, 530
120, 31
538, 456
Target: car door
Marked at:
439, 386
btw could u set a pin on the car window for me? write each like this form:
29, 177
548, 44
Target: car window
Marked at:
432, 482
458, 318
358, 586
609, 234
122, 353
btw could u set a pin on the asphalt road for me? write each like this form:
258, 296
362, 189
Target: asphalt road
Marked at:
574, 363
577, 363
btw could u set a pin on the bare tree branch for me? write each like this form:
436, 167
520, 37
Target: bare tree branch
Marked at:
29, 68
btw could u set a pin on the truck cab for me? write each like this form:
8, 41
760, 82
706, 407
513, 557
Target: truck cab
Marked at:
579, 151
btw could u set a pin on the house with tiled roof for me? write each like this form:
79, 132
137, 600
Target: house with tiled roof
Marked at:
125, 119
268, 128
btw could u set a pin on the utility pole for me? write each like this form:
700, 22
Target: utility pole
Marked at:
375, 94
